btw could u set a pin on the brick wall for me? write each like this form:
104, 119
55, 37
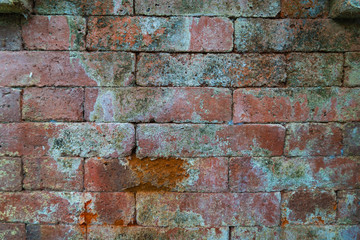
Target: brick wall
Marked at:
170, 119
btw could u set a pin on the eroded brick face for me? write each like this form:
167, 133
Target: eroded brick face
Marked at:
179, 119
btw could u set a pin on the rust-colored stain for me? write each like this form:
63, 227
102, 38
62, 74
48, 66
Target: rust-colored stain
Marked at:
119, 222
160, 174
87, 217
284, 222
319, 220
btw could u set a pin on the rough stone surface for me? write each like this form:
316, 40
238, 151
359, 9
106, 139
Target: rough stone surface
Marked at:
314, 139
155, 140
10, 105
45, 173
196, 105
54, 33
180, 119
160, 34
10, 174
158, 174
296, 104
84, 7
183, 210
316, 69
12, 231
345, 9
44, 104
236, 8
16, 6
308, 207
10, 33
31, 68
310, 35
253, 174
352, 69
213, 70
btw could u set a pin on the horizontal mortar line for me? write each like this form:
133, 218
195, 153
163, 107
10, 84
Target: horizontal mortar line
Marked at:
181, 52
184, 87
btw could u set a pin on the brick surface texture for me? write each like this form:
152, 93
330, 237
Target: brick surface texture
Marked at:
179, 119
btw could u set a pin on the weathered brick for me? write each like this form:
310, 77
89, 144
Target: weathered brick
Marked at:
205, 34
348, 207
352, 69
236, 8
304, 9
352, 139
67, 207
296, 104
67, 139
12, 231
108, 208
54, 33
10, 174
255, 233
214, 209
345, 9
10, 32
268, 35
43, 104
175, 174
252, 174
157, 140
308, 207
147, 233
84, 7
214, 70
314, 69
330, 232
198, 105
54, 232
313, 139
40, 207
53, 174
66, 69
10, 105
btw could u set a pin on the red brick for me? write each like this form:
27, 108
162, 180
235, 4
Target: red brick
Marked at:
10, 105
54, 232
43, 104
12, 231
133, 174
66, 69
84, 7
214, 70
308, 207
108, 208
10, 32
70, 208
352, 69
196, 105
352, 139
49, 174
40, 207
10, 174
237, 8
54, 33
213, 209
348, 207
296, 104
304, 9
313, 139
308, 35
147, 233
160, 34
252, 174
67, 140
314, 69
184, 140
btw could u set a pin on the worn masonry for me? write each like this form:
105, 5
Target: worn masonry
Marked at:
179, 119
